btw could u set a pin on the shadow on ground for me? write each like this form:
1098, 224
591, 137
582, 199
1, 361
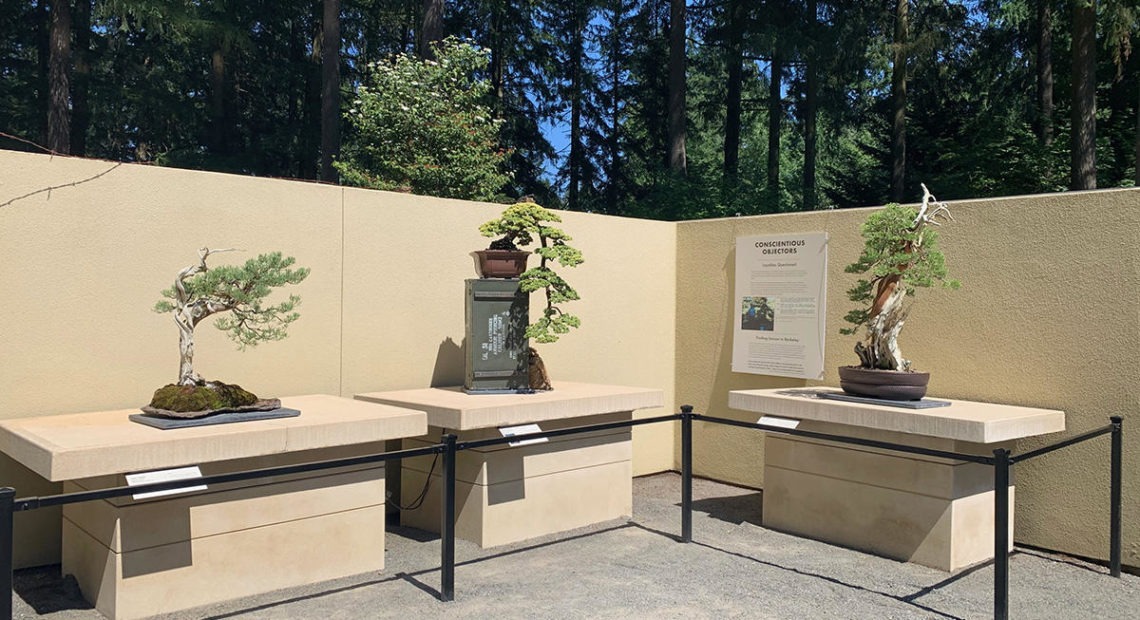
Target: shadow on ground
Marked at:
412, 578
46, 592
735, 509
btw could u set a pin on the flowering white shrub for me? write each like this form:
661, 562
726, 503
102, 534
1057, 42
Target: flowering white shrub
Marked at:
424, 126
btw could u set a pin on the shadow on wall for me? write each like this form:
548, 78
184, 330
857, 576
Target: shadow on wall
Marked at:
449, 368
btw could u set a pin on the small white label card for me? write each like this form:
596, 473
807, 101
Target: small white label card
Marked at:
165, 475
523, 429
769, 420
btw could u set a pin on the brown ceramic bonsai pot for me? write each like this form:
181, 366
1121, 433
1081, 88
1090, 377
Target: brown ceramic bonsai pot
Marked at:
886, 384
502, 263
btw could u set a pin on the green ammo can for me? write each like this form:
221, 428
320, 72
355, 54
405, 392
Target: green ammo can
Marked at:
497, 313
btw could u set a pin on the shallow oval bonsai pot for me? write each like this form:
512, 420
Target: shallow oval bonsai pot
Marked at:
501, 263
886, 384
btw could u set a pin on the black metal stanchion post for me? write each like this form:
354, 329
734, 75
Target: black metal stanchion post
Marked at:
1001, 534
447, 522
7, 497
686, 473
1114, 499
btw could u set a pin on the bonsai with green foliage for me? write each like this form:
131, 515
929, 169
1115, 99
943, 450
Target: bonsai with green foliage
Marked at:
200, 292
516, 229
900, 255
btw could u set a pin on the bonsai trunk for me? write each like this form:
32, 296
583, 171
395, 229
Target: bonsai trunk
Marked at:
186, 374
879, 347
188, 314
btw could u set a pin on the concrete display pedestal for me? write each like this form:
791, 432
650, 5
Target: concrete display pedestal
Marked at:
506, 494
931, 511
136, 558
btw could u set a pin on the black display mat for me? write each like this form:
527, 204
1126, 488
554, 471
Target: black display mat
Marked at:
925, 403
502, 391
217, 418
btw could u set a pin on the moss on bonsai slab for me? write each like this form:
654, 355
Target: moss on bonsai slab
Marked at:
210, 396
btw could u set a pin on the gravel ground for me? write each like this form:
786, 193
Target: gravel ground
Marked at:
636, 569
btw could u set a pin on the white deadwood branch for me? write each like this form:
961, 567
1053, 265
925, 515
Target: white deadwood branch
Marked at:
926, 215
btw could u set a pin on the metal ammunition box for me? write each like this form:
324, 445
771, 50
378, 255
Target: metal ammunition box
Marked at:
497, 313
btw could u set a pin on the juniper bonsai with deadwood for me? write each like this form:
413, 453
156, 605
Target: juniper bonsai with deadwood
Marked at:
200, 292
900, 255
517, 228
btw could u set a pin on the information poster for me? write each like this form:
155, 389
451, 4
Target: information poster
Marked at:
781, 305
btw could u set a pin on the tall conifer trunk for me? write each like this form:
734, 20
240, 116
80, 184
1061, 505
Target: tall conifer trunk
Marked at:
80, 107
734, 58
1083, 151
811, 85
311, 114
497, 54
1045, 72
677, 160
297, 94
898, 107
576, 50
59, 80
432, 31
775, 116
330, 88
218, 101
613, 142
43, 60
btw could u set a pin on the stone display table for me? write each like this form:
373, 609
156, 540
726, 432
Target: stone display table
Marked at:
506, 494
931, 511
135, 558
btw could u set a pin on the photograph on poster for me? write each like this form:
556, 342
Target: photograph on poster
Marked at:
757, 314
781, 289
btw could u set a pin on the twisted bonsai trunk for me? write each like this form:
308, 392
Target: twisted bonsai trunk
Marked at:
188, 315
879, 347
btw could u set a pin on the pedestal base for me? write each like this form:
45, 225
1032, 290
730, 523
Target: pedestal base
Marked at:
930, 511
506, 495
137, 558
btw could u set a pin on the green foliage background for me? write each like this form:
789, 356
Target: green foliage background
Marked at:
424, 126
581, 88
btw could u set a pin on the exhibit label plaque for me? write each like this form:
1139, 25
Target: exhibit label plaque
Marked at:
780, 312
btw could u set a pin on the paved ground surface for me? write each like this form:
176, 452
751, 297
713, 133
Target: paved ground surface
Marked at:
636, 569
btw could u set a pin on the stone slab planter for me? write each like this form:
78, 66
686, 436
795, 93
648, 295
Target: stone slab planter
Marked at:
888, 384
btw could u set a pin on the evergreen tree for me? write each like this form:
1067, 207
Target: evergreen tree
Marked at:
809, 120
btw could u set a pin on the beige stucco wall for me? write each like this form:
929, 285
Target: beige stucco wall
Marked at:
1048, 315
1049, 312
82, 265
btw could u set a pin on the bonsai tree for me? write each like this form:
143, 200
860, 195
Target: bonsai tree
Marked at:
517, 228
900, 255
200, 292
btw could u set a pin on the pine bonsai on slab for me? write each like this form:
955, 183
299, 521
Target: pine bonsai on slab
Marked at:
239, 292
